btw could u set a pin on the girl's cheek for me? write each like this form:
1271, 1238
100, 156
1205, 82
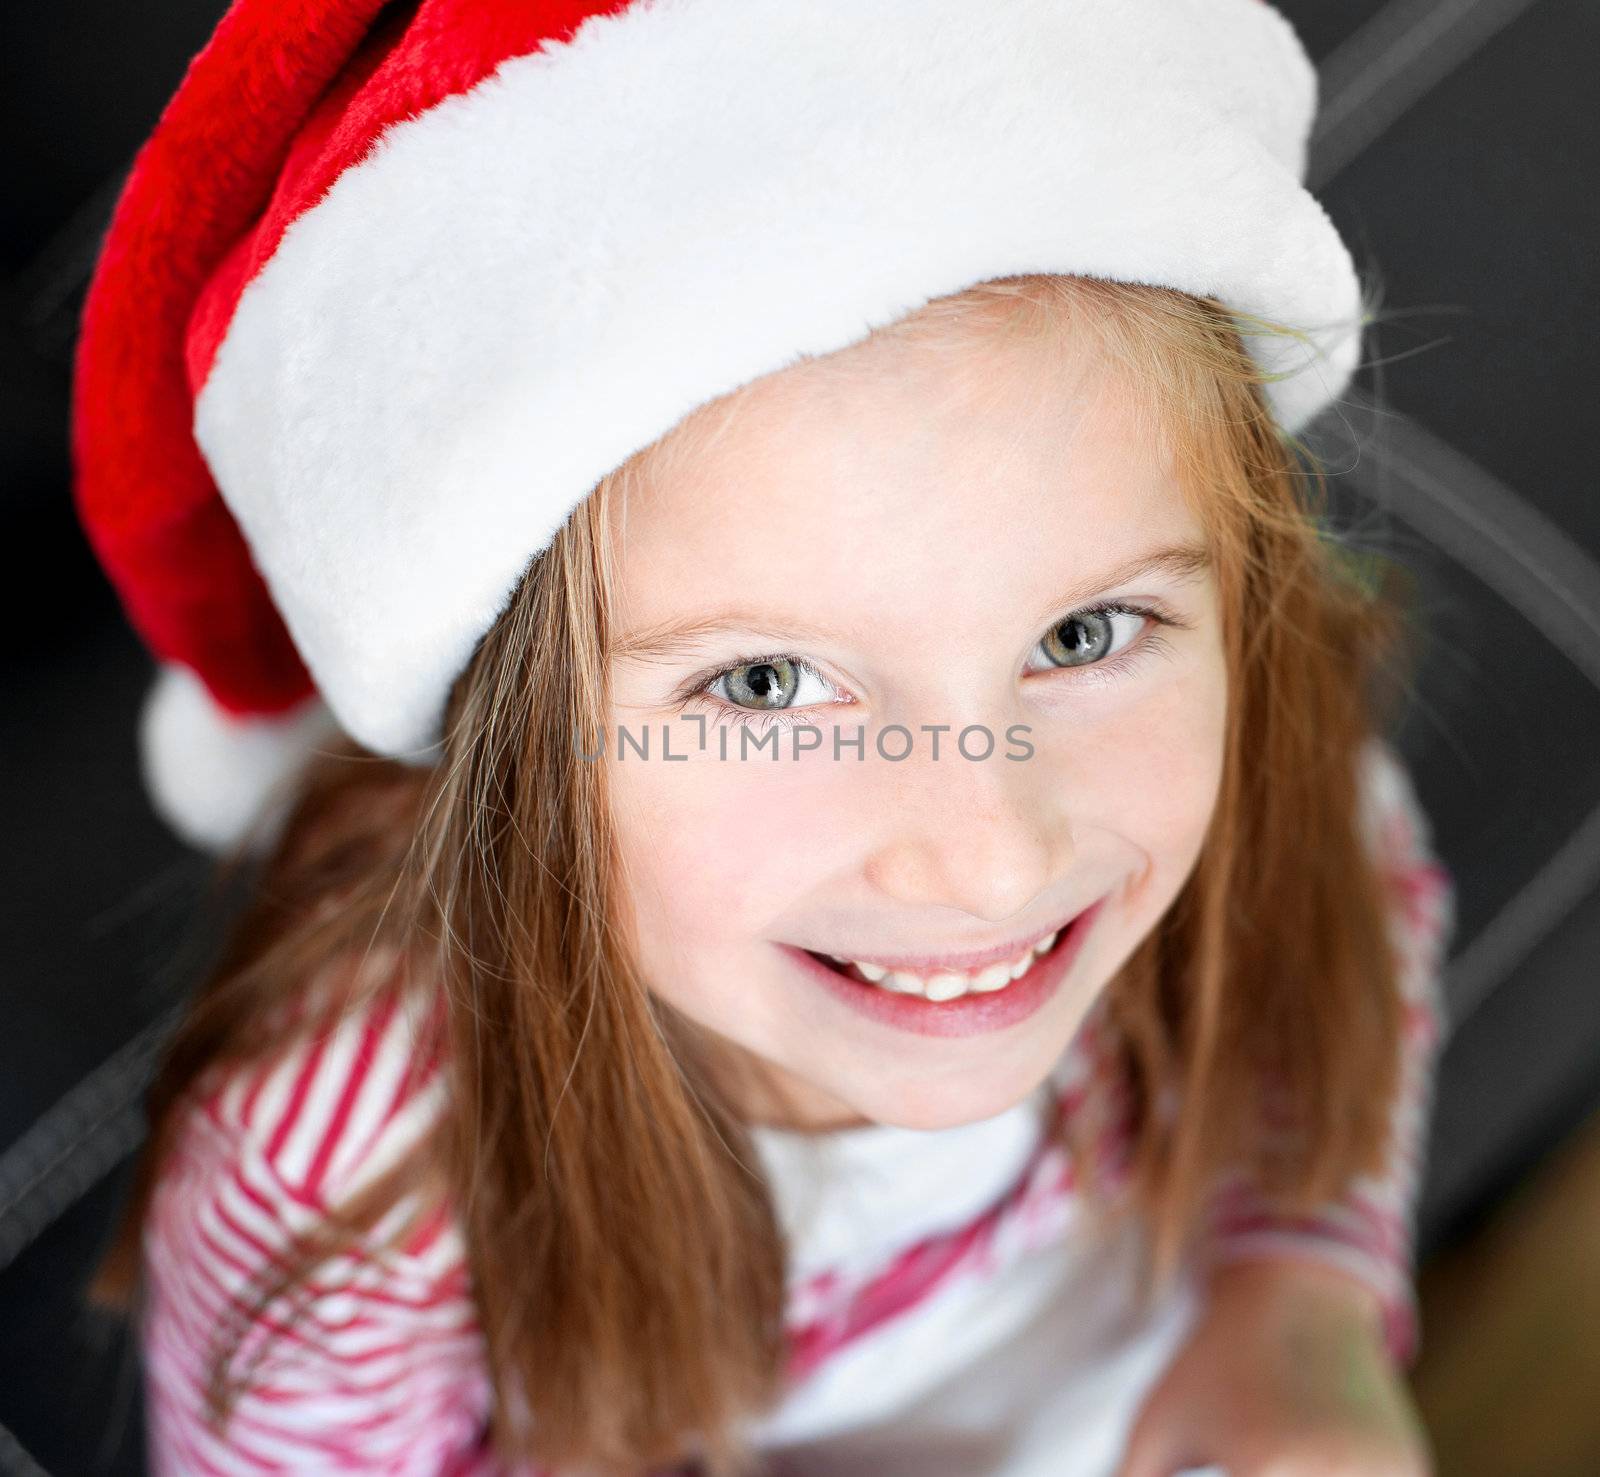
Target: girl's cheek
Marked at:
1143, 761
718, 849
1181, 750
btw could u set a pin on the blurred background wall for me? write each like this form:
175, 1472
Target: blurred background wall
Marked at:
1455, 141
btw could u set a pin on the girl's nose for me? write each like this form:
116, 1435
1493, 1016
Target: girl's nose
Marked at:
985, 836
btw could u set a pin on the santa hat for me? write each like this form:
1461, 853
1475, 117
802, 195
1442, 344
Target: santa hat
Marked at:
391, 287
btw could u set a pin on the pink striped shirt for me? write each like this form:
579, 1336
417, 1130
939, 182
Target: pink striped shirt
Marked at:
384, 1370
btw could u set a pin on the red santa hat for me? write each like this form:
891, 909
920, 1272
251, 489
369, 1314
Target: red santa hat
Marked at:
390, 288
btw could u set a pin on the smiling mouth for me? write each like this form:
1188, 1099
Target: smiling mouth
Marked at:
939, 986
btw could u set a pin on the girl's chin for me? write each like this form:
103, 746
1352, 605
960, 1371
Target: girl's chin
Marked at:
918, 1106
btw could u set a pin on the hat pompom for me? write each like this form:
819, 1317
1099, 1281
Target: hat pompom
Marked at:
218, 778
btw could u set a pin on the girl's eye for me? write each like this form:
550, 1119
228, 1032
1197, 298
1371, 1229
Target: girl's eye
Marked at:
1088, 637
768, 686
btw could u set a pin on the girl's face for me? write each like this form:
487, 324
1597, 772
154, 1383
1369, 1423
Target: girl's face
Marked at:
895, 535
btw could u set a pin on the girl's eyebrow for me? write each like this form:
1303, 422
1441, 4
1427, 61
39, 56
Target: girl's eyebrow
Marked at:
1183, 561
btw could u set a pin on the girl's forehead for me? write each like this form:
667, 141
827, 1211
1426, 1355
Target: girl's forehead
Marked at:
892, 429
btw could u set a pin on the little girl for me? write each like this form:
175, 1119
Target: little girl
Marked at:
827, 892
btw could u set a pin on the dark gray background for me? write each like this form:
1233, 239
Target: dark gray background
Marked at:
1453, 153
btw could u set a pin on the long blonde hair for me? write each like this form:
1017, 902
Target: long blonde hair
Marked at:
625, 1256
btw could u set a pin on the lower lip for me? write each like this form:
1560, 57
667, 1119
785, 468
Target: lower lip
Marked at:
973, 1014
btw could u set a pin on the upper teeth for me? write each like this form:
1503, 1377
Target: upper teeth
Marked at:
947, 984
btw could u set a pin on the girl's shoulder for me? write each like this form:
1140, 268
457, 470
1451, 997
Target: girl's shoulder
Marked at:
378, 1349
1418, 885
329, 1109
1392, 817
264, 1150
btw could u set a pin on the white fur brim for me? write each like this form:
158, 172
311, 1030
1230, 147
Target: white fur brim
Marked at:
216, 779
524, 285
